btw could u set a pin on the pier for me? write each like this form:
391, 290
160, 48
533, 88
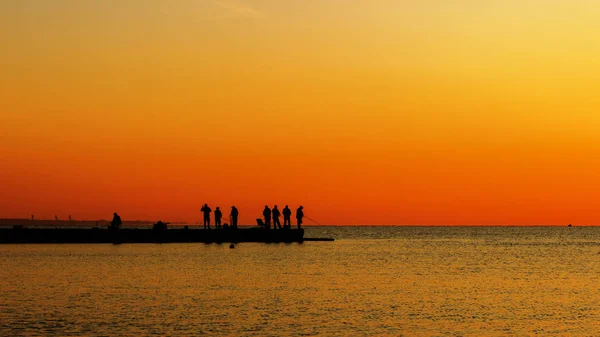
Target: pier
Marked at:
19, 234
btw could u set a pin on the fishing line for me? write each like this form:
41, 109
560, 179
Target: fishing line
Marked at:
313, 220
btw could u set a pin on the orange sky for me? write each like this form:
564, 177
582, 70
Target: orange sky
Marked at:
366, 112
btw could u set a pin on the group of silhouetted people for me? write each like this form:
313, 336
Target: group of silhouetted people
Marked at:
218, 216
268, 214
274, 214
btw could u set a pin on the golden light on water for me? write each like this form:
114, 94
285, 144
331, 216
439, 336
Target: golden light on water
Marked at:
422, 281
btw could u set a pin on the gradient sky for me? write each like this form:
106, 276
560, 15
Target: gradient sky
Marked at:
365, 112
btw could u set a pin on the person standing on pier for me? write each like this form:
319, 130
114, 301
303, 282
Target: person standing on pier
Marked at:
267, 215
287, 215
276, 215
116, 221
206, 210
218, 216
299, 215
234, 217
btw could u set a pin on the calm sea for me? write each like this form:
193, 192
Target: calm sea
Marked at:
411, 281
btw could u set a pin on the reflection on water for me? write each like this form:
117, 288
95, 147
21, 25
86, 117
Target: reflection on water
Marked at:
416, 281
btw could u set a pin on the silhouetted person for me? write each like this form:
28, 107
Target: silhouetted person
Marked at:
116, 221
160, 226
287, 215
234, 217
299, 216
276, 215
218, 216
267, 215
206, 210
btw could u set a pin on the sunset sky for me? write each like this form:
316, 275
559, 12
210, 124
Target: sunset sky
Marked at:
365, 112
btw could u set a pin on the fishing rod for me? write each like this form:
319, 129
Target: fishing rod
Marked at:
313, 220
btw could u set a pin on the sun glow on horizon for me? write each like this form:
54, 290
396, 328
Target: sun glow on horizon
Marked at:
386, 112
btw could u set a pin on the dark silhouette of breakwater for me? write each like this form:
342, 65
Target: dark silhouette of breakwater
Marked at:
72, 223
158, 234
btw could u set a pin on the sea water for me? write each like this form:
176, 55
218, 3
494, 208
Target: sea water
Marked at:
397, 281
